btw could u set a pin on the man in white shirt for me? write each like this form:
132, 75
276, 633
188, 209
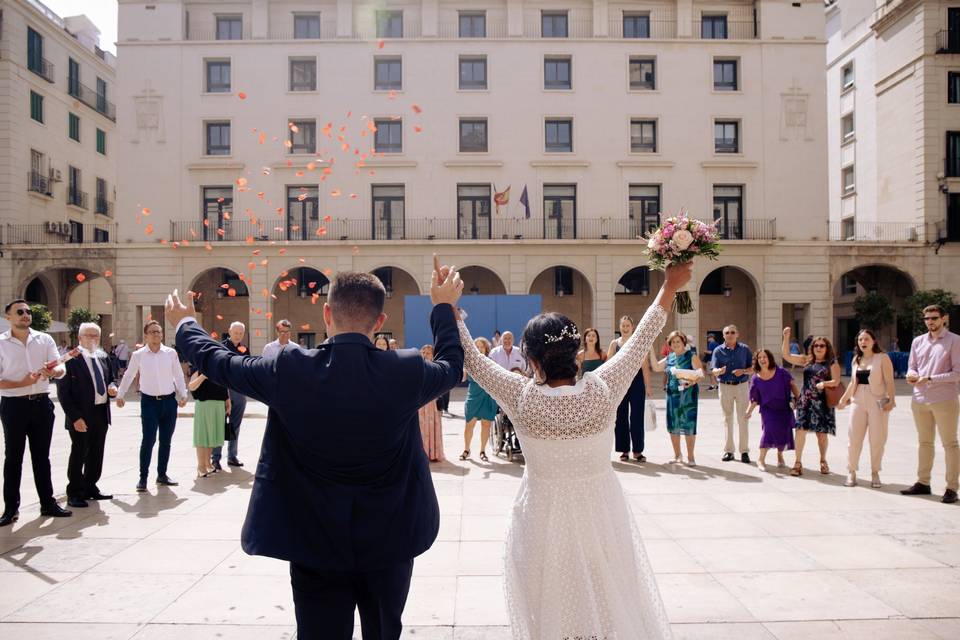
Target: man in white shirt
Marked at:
508, 356
284, 330
162, 390
26, 410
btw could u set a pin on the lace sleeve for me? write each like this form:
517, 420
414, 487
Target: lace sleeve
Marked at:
620, 370
502, 385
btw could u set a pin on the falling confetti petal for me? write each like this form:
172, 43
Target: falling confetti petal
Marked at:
262, 138
242, 95
241, 182
249, 239
265, 171
327, 218
208, 247
380, 44
219, 317
294, 128
416, 109
232, 292
242, 349
305, 327
145, 211
81, 277
148, 229
418, 128
107, 273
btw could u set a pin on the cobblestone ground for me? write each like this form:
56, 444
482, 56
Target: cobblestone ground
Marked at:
739, 554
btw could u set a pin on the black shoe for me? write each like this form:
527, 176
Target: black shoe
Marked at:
949, 496
727, 457
142, 485
745, 458
234, 463
55, 511
917, 489
9, 517
167, 481
78, 503
100, 496
216, 466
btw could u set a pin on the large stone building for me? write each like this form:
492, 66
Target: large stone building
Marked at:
57, 155
247, 133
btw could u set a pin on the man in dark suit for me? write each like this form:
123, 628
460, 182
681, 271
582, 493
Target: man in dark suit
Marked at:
84, 394
343, 488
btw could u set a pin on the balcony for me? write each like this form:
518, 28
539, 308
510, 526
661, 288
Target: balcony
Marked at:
42, 67
92, 99
77, 198
732, 30
877, 232
948, 41
658, 30
59, 233
39, 183
103, 206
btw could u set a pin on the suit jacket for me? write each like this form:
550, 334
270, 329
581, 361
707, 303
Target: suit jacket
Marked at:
76, 389
342, 482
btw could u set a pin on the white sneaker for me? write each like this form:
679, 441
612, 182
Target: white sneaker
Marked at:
851, 480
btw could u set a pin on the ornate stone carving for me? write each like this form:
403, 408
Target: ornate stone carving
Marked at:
149, 113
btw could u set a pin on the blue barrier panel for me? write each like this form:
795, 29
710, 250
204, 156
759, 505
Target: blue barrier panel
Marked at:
486, 314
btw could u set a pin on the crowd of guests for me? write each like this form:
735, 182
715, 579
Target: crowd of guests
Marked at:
746, 380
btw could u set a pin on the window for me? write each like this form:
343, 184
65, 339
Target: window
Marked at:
713, 27
73, 77
953, 87
557, 72
217, 206
848, 284
36, 106
562, 281
388, 212
389, 136
388, 73
848, 180
303, 74
643, 73
553, 24
74, 126
303, 213
644, 209
473, 24
389, 24
559, 135
39, 180
218, 76
473, 72
847, 130
101, 205
559, 211
101, 95
953, 154
473, 135
35, 61
473, 211
303, 136
76, 231
75, 196
725, 75
218, 138
643, 136
726, 136
306, 26
846, 76
636, 25
728, 209
101, 142
229, 27
101, 235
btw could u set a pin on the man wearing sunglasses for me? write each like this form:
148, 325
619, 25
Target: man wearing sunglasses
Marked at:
26, 410
934, 372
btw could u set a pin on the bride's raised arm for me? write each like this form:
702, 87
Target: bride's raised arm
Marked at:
502, 385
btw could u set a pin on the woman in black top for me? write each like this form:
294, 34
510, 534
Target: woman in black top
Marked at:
209, 418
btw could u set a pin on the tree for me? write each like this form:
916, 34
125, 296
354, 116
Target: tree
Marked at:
912, 313
873, 310
79, 315
40, 317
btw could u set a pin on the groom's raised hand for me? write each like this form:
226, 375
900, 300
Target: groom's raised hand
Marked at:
446, 285
177, 310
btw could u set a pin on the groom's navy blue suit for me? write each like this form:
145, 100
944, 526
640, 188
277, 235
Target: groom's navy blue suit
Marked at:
343, 488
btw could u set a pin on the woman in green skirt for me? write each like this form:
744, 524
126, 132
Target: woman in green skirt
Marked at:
209, 418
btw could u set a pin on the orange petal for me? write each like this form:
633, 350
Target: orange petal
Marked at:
107, 273
145, 211
380, 44
232, 292
148, 229
81, 277
242, 95
416, 109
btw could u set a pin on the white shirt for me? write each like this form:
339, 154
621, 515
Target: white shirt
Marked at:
271, 349
160, 373
512, 361
92, 361
122, 350
17, 360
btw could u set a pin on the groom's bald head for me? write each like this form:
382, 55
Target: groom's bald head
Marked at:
356, 300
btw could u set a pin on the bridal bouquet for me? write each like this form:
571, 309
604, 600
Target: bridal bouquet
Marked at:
681, 239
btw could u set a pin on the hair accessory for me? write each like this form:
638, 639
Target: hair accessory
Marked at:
569, 331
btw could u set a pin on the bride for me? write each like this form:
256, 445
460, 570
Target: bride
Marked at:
575, 565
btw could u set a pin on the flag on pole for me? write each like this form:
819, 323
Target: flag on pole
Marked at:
525, 202
502, 198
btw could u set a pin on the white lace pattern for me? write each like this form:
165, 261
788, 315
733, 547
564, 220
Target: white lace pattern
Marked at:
575, 565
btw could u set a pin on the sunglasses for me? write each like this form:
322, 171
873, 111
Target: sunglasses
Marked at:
23, 312
930, 319
819, 346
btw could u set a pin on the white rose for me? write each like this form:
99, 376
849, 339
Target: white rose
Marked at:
682, 239
653, 243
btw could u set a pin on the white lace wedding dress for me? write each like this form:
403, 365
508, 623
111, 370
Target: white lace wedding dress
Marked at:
575, 567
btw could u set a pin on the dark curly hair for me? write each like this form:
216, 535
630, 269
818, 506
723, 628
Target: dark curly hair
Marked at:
557, 357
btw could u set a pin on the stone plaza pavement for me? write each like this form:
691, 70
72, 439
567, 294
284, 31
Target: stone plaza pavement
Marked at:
739, 554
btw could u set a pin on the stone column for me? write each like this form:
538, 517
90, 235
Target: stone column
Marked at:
259, 323
603, 296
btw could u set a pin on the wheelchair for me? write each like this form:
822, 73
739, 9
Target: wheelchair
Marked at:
503, 437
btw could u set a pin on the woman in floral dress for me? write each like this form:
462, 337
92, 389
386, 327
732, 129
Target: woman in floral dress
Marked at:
682, 395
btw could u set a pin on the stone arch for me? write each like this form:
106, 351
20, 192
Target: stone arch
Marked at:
483, 280
634, 292
298, 295
729, 294
893, 282
218, 305
565, 289
399, 283
68, 287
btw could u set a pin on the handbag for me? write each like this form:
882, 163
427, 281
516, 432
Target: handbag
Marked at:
833, 395
649, 416
229, 431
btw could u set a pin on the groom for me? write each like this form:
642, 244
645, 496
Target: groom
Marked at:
343, 488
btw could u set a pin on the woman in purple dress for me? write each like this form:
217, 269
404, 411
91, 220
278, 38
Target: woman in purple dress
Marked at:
770, 389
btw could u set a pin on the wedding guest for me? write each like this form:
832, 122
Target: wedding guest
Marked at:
507, 355
84, 394
479, 406
814, 415
872, 393
731, 366
210, 410
381, 343
238, 403
26, 410
771, 388
431, 422
682, 394
443, 404
590, 355
123, 355
495, 340
393, 344
628, 428
934, 370
162, 390
284, 331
